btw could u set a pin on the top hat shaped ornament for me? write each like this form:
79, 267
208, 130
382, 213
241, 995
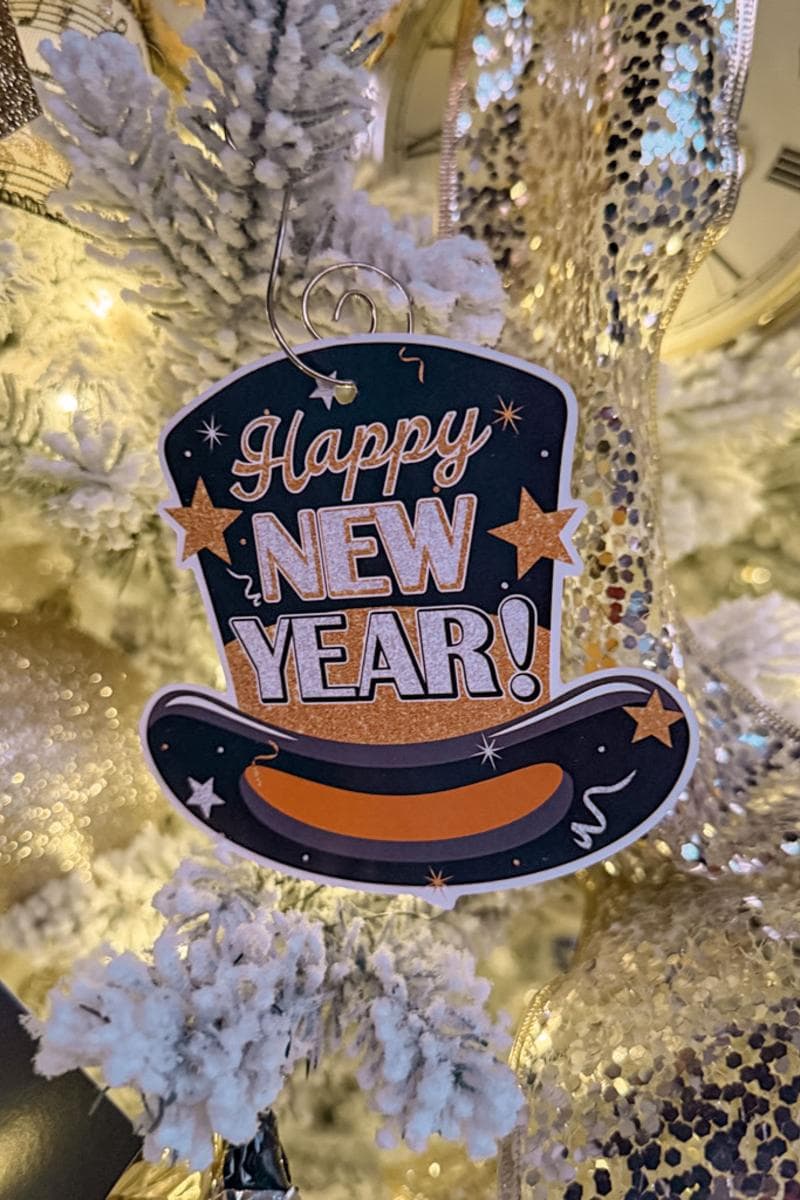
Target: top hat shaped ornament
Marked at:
384, 581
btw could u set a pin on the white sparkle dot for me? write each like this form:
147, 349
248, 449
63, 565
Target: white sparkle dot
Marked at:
544, 453
220, 749
601, 749
504, 585
304, 857
187, 454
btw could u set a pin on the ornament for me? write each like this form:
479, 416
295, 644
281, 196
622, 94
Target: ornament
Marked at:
74, 780
256, 1171
61, 1137
666, 1062
259, 1169
384, 578
30, 169
18, 100
592, 147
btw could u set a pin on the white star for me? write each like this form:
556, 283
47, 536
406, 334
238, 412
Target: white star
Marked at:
212, 432
203, 796
486, 751
325, 392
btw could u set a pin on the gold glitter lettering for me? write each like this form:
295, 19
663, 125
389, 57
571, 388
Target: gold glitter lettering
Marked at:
372, 447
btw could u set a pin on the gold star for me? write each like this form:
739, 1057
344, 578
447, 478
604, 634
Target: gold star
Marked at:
536, 534
653, 720
437, 880
507, 414
204, 525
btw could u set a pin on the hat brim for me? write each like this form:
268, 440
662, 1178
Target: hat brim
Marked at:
515, 799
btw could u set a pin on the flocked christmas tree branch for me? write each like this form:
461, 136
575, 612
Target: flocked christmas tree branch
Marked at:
246, 983
181, 203
185, 198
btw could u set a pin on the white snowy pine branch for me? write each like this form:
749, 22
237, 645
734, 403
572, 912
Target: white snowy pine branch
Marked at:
723, 415
757, 639
187, 197
453, 283
55, 924
98, 485
245, 982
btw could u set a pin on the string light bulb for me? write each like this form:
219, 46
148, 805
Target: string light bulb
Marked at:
101, 303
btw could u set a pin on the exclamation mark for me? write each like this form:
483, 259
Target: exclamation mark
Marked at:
518, 620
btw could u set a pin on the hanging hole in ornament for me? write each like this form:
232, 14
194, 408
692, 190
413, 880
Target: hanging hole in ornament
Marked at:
343, 390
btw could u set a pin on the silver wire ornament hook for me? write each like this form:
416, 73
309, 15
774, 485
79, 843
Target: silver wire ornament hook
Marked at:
345, 390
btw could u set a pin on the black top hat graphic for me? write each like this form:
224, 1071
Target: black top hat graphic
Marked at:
384, 579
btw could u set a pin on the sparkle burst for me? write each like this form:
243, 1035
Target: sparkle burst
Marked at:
487, 751
508, 414
212, 433
437, 879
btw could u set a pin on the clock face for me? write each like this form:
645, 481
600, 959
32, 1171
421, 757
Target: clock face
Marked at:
752, 277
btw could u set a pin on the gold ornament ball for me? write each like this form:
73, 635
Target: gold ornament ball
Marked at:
74, 780
666, 1062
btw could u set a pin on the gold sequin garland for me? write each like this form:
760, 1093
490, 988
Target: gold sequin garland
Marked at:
666, 1062
74, 780
595, 155
18, 101
592, 146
